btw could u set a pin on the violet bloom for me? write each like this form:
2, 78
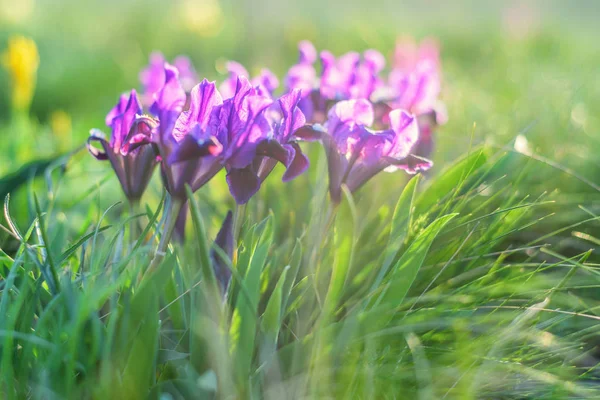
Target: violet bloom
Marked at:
349, 76
303, 76
415, 85
153, 76
281, 144
266, 82
133, 170
355, 153
214, 134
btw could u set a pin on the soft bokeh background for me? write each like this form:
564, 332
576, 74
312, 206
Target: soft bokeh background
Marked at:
506, 63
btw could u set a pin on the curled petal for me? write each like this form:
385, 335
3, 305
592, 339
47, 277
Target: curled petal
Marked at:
274, 149
411, 164
298, 165
243, 184
309, 133
190, 148
97, 136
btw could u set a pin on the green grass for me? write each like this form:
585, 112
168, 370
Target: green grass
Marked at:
478, 280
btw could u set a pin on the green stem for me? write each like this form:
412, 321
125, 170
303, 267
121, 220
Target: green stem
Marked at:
165, 238
238, 218
134, 206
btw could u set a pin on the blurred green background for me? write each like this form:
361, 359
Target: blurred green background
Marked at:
506, 63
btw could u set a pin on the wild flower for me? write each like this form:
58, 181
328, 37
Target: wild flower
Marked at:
21, 60
355, 153
365, 123
134, 169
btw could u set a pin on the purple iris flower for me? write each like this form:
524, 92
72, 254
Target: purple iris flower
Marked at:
281, 144
211, 134
349, 76
134, 170
414, 84
356, 153
303, 76
153, 76
266, 82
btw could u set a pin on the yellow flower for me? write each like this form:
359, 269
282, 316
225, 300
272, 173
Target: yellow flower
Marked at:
21, 60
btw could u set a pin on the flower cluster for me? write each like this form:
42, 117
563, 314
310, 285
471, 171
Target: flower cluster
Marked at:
366, 122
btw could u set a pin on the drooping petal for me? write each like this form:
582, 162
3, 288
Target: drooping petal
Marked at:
98, 136
298, 165
309, 133
243, 184
226, 242
190, 148
274, 149
411, 164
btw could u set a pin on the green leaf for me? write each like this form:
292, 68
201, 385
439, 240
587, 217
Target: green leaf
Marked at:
405, 270
140, 329
206, 267
451, 180
271, 319
296, 259
80, 242
399, 228
244, 321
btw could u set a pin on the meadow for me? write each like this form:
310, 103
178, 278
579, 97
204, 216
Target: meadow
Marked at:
475, 278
